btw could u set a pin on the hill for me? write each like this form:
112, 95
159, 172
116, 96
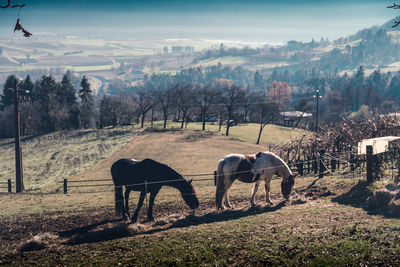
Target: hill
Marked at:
50, 158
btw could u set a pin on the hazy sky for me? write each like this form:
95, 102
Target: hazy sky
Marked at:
246, 20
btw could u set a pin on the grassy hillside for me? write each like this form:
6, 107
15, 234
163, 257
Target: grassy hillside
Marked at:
57, 156
88, 155
53, 157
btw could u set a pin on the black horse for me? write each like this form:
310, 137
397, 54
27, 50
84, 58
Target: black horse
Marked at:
147, 176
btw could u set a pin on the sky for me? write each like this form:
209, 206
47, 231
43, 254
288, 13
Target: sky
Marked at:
267, 21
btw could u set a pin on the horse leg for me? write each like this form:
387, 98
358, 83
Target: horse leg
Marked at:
226, 201
153, 195
267, 188
228, 183
220, 192
126, 206
253, 193
139, 205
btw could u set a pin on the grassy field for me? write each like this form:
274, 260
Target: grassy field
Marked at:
325, 223
50, 158
271, 135
228, 60
53, 157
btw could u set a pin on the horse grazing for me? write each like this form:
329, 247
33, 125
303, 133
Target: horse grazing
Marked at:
147, 176
251, 169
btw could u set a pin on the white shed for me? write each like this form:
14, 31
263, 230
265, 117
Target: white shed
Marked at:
379, 144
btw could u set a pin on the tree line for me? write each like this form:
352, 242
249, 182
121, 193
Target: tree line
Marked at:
46, 105
220, 94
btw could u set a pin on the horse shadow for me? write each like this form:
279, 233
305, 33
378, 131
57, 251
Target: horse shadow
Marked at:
84, 234
86, 229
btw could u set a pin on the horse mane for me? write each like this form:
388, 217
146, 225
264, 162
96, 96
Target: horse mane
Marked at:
152, 163
252, 158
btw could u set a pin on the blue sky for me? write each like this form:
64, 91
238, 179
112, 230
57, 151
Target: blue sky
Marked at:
252, 20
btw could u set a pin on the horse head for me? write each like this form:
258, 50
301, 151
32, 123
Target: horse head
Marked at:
189, 194
287, 186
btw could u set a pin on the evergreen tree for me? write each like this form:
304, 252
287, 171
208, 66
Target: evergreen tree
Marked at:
8, 92
45, 97
27, 86
69, 100
86, 108
68, 91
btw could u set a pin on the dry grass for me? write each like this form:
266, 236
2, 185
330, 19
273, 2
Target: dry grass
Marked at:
53, 157
48, 159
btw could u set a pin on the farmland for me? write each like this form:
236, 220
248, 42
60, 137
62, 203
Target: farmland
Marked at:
324, 223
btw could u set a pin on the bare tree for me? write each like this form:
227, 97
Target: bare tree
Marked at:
166, 98
264, 110
11, 6
279, 95
116, 110
206, 96
184, 100
143, 98
248, 99
231, 96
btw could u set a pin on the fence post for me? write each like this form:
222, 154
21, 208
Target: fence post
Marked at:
65, 186
215, 178
321, 163
300, 168
333, 162
352, 162
9, 185
370, 175
315, 164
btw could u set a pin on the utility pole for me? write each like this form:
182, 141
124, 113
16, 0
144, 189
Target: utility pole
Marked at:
19, 182
317, 96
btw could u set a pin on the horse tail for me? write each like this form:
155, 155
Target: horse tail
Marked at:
220, 191
119, 199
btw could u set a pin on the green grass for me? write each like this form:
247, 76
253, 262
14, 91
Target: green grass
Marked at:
271, 135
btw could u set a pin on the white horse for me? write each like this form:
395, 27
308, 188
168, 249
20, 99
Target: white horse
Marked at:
251, 169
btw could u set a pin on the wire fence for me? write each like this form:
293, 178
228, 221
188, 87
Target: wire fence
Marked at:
346, 164
207, 176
